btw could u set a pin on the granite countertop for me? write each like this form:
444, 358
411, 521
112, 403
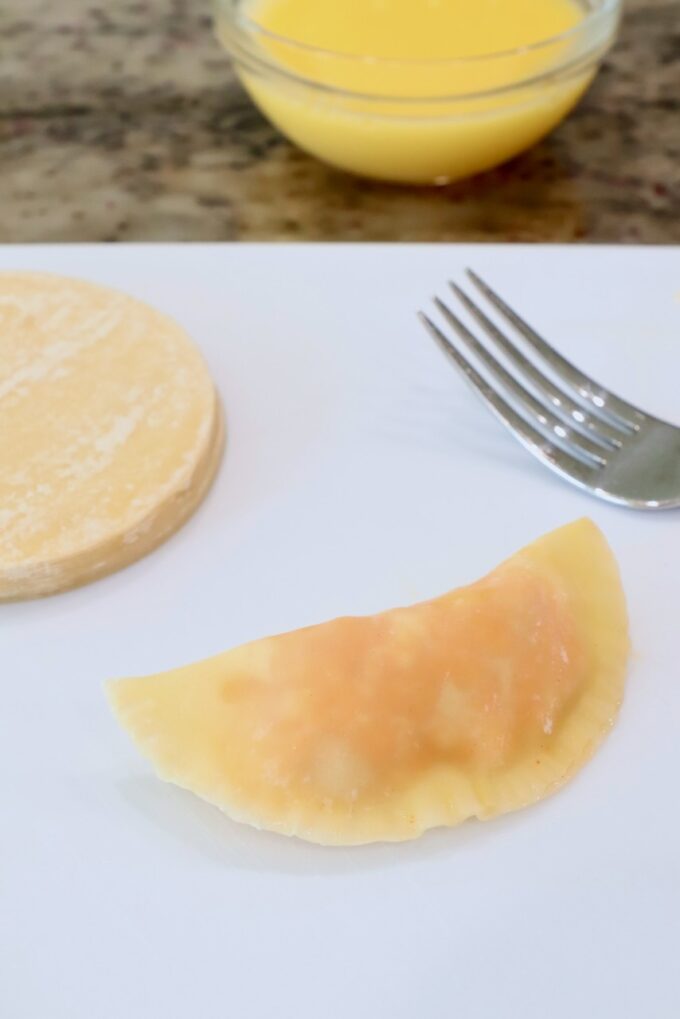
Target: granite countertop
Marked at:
125, 122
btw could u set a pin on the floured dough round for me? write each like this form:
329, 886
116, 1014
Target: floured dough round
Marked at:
110, 431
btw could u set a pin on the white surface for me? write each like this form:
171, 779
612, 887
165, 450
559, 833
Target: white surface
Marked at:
360, 473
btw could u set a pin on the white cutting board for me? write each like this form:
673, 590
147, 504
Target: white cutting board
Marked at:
360, 472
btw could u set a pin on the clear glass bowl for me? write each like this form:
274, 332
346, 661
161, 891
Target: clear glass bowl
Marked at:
416, 121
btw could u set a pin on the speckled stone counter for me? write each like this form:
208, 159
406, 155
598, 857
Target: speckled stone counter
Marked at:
125, 122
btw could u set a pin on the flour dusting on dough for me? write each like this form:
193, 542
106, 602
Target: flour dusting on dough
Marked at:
112, 414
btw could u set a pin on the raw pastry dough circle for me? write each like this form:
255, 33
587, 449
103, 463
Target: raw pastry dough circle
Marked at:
110, 431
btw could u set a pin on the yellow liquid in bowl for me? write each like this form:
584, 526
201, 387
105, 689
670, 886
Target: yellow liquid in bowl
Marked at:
371, 87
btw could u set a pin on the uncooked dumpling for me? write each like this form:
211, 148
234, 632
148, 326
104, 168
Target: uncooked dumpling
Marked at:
376, 728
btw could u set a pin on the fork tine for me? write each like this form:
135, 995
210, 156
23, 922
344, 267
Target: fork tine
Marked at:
544, 420
600, 431
589, 390
555, 458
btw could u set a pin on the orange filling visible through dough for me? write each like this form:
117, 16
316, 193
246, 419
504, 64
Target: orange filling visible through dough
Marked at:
452, 680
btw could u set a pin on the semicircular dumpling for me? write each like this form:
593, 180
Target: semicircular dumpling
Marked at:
376, 728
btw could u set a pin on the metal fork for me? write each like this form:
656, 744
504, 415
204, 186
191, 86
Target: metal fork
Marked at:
568, 421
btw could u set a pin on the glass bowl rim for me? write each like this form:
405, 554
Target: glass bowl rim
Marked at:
252, 29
